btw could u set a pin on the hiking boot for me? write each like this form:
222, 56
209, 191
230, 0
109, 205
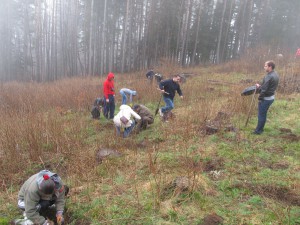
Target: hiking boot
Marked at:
161, 113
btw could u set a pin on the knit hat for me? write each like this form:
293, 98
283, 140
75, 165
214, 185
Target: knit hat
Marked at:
135, 107
46, 178
46, 185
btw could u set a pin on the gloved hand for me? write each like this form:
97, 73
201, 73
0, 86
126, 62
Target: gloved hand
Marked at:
59, 218
260, 98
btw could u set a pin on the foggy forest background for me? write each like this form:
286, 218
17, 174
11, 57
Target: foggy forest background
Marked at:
44, 40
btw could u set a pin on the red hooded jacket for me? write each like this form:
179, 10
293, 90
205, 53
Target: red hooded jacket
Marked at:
109, 86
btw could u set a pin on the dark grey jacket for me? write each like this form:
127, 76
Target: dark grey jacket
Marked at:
269, 85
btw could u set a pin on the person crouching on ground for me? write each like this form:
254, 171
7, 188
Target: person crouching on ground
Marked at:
41, 192
168, 88
266, 95
123, 121
146, 116
124, 92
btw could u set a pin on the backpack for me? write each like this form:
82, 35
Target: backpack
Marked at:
98, 104
95, 112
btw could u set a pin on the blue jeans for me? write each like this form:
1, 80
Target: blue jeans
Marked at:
124, 97
263, 107
109, 107
169, 105
127, 130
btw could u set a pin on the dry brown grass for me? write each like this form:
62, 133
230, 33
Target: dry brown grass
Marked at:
45, 124
49, 126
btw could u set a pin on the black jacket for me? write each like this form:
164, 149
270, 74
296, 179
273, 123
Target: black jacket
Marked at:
269, 85
170, 87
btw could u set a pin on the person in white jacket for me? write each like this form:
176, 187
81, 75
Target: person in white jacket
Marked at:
123, 121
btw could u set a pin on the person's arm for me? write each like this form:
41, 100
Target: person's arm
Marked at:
264, 87
179, 91
130, 96
135, 115
105, 91
31, 201
60, 201
162, 84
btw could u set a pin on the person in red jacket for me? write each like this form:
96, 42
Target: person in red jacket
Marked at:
109, 95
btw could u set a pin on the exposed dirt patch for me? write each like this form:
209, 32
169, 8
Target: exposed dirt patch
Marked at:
291, 137
274, 166
213, 164
283, 194
285, 130
212, 219
279, 166
105, 152
220, 123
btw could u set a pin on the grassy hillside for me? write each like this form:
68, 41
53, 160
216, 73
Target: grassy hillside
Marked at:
172, 173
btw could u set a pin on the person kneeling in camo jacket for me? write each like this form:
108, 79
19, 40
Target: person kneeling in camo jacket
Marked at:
41, 192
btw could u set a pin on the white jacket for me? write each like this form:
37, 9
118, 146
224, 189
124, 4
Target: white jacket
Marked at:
126, 111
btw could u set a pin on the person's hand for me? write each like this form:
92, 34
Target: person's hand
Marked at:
257, 85
181, 96
107, 100
59, 218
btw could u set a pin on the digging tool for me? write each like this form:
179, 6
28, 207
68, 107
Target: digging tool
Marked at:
164, 91
157, 108
250, 109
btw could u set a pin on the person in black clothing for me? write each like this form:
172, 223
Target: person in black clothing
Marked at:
168, 88
150, 74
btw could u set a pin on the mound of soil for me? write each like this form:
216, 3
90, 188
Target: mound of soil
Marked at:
212, 219
283, 194
213, 164
103, 153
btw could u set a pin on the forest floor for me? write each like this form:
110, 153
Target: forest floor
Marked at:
202, 167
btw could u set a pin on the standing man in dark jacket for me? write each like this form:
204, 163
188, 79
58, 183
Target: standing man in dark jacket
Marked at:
109, 95
266, 95
168, 88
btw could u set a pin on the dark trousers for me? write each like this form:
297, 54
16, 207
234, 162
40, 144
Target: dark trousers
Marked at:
109, 108
263, 107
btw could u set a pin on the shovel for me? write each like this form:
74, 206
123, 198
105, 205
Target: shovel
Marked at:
157, 108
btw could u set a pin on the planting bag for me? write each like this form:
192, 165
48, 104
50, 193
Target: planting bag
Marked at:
248, 91
124, 120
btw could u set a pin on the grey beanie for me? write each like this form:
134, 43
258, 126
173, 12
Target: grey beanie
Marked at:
48, 181
47, 185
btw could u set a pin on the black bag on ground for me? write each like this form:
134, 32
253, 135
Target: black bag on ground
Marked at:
98, 104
